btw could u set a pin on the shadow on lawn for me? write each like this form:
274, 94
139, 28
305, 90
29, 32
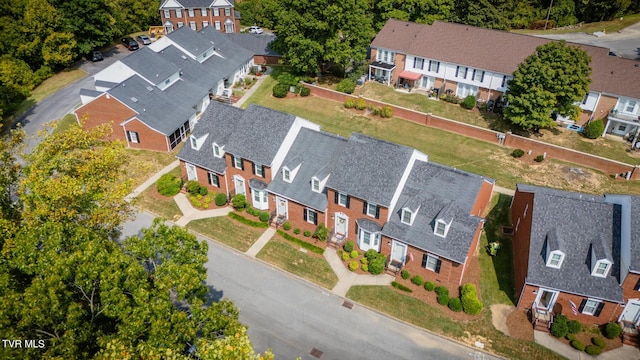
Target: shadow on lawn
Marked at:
503, 260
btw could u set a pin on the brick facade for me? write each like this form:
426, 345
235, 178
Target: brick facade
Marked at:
105, 110
266, 60
630, 286
148, 138
203, 179
521, 236
295, 215
353, 212
199, 20
605, 105
247, 174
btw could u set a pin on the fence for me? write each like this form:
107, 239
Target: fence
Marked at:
508, 139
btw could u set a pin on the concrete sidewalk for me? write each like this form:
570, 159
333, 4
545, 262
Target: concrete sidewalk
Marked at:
190, 213
346, 278
261, 242
254, 87
548, 341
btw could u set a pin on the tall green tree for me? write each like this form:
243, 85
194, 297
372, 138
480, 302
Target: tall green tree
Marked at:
552, 79
315, 33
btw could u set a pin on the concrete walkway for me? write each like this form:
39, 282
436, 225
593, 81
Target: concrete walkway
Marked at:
547, 340
346, 278
254, 87
190, 213
503, 190
261, 242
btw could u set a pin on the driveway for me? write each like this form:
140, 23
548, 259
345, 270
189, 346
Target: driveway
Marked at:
66, 99
625, 43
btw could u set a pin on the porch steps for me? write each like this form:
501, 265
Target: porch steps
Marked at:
542, 325
631, 339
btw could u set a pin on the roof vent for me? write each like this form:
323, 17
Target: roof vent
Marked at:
134, 99
143, 109
183, 57
149, 88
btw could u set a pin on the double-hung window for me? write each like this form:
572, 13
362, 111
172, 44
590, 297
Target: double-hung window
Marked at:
434, 66
216, 11
237, 162
192, 12
214, 180
590, 307
315, 185
167, 14
406, 217
192, 25
203, 11
217, 25
133, 137
227, 11
258, 170
311, 216
178, 13
418, 63
461, 72
343, 200
478, 75
431, 262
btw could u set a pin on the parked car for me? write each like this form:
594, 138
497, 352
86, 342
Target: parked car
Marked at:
129, 43
143, 39
95, 56
255, 30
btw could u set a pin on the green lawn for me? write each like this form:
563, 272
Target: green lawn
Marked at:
157, 204
285, 255
607, 26
227, 231
65, 123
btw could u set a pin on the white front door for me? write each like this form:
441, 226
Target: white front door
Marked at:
398, 251
239, 183
368, 240
191, 172
631, 312
546, 299
341, 223
282, 207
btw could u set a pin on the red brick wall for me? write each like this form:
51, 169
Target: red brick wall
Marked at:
605, 105
295, 212
400, 60
247, 174
198, 18
449, 275
104, 110
629, 287
266, 60
511, 141
482, 199
354, 212
203, 179
149, 138
610, 312
521, 237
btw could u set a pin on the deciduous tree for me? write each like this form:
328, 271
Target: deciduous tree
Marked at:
552, 79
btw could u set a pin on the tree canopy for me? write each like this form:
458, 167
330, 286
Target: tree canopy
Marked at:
68, 279
550, 80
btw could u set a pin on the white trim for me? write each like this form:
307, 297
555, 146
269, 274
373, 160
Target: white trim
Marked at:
550, 259
236, 179
404, 212
374, 240
340, 196
434, 257
596, 268
415, 156
595, 307
284, 203
552, 300
298, 124
220, 154
343, 216
237, 160
375, 209
394, 245
315, 182
286, 175
192, 173
263, 199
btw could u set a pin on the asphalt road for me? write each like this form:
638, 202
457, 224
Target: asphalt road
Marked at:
625, 43
292, 316
66, 99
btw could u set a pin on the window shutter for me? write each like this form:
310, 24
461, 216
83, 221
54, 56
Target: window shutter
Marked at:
241, 164
424, 260
233, 160
377, 212
473, 76
438, 66
599, 309
335, 198
438, 266
304, 214
315, 219
253, 168
582, 304
364, 207
457, 70
129, 136
348, 200
482, 77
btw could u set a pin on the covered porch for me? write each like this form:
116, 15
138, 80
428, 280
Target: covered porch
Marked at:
408, 80
382, 72
624, 125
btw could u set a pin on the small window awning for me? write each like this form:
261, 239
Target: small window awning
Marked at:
410, 75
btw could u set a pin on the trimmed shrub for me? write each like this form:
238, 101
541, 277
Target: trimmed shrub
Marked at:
361, 104
303, 244
286, 226
574, 326
599, 342
346, 86
612, 330
376, 265
264, 216
321, 233
517, 153
353, 265
364, 261
365, 267
399, 286
220, 199
168, 184
578, 345
296, 231
570, 337
594, 129
539, 158
443, 299
192, 187
239, 201
429, 286
442, 290
354, 254
349, 104
386, 112
280, 90
469, 298
455, 304
405, 274
349, 246
469, 102
306, 233
345, 257
246, 221
305, 91
418, 280
559, 329
370, 254
593, 350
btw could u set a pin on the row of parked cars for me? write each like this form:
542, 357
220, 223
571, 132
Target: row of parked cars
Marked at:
127, 41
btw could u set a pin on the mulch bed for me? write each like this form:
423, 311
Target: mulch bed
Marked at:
519, 325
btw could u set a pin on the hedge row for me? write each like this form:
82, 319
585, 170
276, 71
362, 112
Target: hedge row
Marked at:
246, 221
303, 244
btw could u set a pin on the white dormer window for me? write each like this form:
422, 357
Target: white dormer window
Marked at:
441, 228
601, 269
194, 143
315, 185
555, 259
286, 175
217, 152
407, 217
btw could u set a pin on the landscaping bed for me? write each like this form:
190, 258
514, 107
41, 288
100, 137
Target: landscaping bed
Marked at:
228, 231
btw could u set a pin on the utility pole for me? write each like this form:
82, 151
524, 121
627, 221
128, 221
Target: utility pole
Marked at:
548, 13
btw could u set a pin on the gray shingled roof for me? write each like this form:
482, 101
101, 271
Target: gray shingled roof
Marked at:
580, 220
630, 230
316, 150
219, 121
106, 84
259, 134
91, 93
635, 234
149, 65
233, 51
256, 43
370, 169
156, 108
434, 188
184, 37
